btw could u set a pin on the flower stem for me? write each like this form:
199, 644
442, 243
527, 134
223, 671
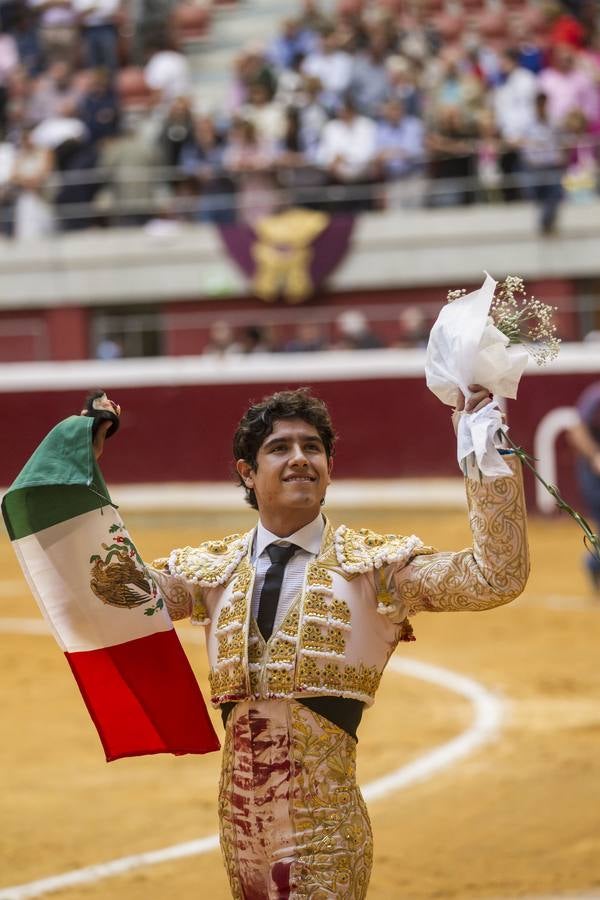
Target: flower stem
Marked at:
590, 539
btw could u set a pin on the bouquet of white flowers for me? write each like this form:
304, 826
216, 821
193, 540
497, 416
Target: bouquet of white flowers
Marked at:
486, 337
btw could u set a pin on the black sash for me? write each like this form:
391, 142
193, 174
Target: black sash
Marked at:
344, 712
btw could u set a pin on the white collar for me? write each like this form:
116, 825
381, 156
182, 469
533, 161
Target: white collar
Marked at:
308, 538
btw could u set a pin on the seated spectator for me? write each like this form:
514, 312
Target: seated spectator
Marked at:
347, 150
309, 338
403, 85
290, 84
311, 17
355, 333
582, 155
399, 143
455, 85
129, 201
292, 41
99, 107
265, 114
109, 348
221, 340
451, 158
98, 24
54, 94
167, 71
332, 66
312, 116
251, 67
177, 130
489, 157
57, 25
26, 35
201, 160
370, 85
33, 214
251, 162
414, 327
8, 154
568, 86
9, 60
257, 339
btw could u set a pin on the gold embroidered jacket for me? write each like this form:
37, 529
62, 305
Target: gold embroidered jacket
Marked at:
340, 632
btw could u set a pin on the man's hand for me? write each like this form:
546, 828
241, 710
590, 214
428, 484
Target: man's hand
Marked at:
110, 406
480, 397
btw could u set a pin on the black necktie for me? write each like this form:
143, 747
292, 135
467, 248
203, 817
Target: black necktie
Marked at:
269, 596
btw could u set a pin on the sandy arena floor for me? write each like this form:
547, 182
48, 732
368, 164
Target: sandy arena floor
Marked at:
518, 818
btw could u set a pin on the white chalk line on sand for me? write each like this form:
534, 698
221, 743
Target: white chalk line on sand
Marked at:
487, 709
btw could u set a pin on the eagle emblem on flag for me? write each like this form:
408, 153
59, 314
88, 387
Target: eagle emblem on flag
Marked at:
120, 578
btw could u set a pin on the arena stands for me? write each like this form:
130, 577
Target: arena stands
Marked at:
358, 106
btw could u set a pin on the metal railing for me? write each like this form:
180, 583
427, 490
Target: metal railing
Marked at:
112, 201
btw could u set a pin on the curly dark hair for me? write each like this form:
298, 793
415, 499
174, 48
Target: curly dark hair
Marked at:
258, 421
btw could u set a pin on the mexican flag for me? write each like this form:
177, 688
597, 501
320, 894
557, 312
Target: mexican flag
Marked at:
100, 602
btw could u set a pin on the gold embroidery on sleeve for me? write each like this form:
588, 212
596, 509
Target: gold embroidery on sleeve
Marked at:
490, 574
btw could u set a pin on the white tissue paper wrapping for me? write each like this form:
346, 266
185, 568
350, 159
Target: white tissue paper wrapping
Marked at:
464, 348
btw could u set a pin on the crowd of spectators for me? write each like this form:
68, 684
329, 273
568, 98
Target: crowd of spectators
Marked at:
349, 330
365, 106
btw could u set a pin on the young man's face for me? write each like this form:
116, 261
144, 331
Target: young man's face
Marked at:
292, 470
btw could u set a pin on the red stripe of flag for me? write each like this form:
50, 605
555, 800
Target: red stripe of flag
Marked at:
143, 698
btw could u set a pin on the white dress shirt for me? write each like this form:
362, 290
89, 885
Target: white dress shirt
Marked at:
308, 539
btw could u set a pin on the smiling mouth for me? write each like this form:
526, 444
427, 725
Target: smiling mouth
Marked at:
301, 478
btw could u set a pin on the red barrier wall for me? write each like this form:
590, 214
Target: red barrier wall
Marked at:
390, 427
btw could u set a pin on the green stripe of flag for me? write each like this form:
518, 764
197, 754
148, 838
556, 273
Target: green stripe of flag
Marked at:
59, 481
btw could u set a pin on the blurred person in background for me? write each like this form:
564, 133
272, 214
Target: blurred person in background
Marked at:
292, 41
98, 29
109, 348
312, 116
370, 85
489, 158
403, 80
99, 108
332, 66
251, 162
250, 67
265, 113
54, 94
544, 160
167, 71
354, 332
400, 153
582, 156
177, 130
585, 440
347, 152
221, 340
568, 86
308, 338
58, 29
513, 100
33, 212
452, 158
9, 61
201, 161
257, 339
413, 327
130, 192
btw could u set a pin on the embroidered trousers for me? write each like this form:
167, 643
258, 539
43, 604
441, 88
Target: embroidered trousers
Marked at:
293, 823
